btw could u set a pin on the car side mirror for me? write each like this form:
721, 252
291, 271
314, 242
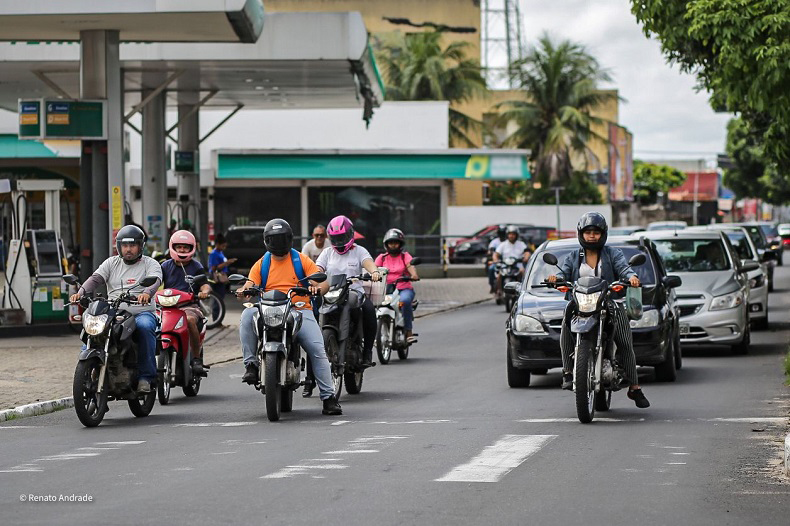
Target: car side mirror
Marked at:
550, 259
71, 279
148, 281
637, 259
513, 287
415, 261
237, 279
748, 266
318, 277
672, 282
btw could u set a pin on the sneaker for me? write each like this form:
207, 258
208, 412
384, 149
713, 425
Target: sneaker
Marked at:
567, 381
143, 386
367, 363
639, 398
251, 374
332, 407
198, 368
309, 385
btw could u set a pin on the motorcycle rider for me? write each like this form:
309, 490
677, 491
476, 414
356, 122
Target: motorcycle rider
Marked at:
594, 258
346, 257
501, 235
278, 238
398, 262
511, 247
175, 270
118, 273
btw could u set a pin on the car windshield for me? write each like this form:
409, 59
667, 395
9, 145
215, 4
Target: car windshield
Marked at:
245, 238
769, 230
757, 235
692, 255
741, 244
667, 226
541, 270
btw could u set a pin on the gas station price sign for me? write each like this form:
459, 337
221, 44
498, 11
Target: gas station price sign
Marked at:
63, 119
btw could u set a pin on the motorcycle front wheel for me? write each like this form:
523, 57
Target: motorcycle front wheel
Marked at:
164, 367
585, 381
273, 388
383, 341
213, 309
89, 405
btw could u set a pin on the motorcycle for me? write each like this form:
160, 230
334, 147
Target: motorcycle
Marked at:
390, 333
507, 271
174, 356
343, 339
596, 374
277, 323
107, 366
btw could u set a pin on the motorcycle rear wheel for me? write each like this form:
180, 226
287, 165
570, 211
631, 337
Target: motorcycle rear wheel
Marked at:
272, 365
383, 341
286, 399
585, 382
330, 345
142, 407
89, 405
603, 400
191, 380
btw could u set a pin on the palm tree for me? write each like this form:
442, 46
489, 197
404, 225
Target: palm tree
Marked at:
554, 119
417, 68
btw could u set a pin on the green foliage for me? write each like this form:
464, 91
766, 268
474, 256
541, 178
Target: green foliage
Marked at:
554, 120
650, 179
417, 68
787, 368
740, 52
580, 189
752, 174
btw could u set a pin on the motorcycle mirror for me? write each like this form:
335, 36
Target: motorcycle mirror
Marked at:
550, 259
237, 278
148, 281
318, 277
637, 259
198, 280
71, 279
415, 261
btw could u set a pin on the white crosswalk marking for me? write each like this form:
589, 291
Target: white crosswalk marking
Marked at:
496, 461
80, 453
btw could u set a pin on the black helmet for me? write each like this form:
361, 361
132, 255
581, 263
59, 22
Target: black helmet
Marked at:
501, 232
512, 228
278, 237
130, 234
394, 234
592, 220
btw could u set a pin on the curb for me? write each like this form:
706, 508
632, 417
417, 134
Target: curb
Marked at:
787, 455
50, 406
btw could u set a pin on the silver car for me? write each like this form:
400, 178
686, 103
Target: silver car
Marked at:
758, 278
714, 296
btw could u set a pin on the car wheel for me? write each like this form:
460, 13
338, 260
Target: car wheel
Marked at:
743, 347
666, 371
516, 377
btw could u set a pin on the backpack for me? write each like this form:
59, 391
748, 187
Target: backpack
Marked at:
266, 263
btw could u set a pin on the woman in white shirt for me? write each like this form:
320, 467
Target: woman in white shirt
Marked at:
346, 257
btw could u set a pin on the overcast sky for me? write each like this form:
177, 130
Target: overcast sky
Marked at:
663, 111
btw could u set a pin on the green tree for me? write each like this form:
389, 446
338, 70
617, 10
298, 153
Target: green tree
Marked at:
416, 67
554, 120
652, 179
739, 51
580, 189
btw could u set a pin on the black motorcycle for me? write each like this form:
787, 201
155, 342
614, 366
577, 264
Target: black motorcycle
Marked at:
596, 373
277, 323
107, 366
507, 271
342, 331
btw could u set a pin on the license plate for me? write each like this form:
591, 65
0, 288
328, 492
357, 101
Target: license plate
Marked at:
684, 329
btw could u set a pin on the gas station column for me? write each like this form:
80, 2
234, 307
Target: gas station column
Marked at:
154, 176
101, 167
188, 183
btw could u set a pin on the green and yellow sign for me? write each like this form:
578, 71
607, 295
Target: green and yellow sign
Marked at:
62, 119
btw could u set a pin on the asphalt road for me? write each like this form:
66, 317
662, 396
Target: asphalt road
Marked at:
438, 439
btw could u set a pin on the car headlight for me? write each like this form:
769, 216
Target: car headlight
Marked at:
528, 324
273, 316
94, 325
387, 300
333, 295
649, 319
464, 246
757, 281
727, 301
168, 301
587, 302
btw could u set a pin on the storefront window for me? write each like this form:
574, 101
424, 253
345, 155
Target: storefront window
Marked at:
256, 206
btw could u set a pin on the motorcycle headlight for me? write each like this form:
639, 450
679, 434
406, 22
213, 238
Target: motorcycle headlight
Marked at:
168, 301
333, 295
94, 324
649, 319
510, 261
727, 301
528, 324
587, 302
387, 300
273, 317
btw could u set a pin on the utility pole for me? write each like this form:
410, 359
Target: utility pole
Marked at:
557, 190
696, 193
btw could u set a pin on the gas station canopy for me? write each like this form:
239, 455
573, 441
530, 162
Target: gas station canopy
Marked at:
137, 21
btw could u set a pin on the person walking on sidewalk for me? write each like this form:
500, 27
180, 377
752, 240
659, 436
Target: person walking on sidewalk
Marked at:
119, 273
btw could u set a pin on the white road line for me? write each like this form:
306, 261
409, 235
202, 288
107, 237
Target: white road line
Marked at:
18, 427
21, 470
216, 424
753, 420
96, 448
67, 456
294, 471
341, 422
420, 422
496, 461
563, 420
675, 463
126, 443
351, 451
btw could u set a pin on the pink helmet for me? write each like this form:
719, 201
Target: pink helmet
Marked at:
341, 234
182, 237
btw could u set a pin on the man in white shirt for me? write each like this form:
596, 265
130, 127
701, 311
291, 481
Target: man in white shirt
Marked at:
501, 235
315, 246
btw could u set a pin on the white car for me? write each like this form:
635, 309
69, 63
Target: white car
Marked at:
666, 225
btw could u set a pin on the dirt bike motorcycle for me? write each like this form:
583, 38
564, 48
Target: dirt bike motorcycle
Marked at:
507, 271
390, 333
107, 366
174, 355
342, 332
277, 323
596, 373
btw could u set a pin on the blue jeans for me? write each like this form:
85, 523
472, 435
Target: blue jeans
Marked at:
407, 296
492, 275
146, 345
309, 337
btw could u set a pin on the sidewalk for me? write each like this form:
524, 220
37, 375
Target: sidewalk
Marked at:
40, 368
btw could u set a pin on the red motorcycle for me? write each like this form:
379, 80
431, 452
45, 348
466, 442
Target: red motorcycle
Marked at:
174, 356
